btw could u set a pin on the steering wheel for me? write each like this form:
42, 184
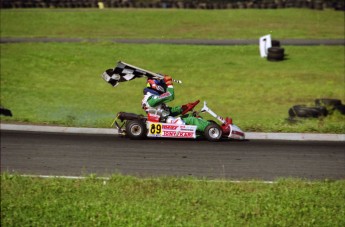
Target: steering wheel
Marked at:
190, 107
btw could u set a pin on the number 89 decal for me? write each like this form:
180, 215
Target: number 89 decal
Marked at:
155, 129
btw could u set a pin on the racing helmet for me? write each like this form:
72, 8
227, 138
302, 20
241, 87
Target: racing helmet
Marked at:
157, 85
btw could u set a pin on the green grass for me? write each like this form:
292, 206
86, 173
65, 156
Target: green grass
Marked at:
130, 201
60, 83
173, 24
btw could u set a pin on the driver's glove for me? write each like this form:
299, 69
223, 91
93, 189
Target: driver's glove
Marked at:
168, 80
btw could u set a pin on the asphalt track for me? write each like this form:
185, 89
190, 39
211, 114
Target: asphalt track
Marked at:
41, 153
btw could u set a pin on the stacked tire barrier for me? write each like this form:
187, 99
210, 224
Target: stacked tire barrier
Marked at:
323, 107
276, 52
180, 4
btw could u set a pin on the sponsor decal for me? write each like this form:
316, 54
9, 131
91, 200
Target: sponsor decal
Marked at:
169, 133
170, 127
166, 94
178, 134
185, 134
188, 128
171, 130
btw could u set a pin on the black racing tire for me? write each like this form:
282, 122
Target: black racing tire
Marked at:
328, 102
136, 129
213, 132
275, 57
276, 50
275, 43
340, 108
307, 112
5, 112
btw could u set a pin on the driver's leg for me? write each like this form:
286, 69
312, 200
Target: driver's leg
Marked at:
174, 111
200, 123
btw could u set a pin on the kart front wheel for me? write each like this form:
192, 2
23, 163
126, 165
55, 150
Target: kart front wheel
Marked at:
213, 132
136, 129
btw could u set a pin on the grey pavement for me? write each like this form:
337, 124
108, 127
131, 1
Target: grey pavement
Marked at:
107, 131
67, 154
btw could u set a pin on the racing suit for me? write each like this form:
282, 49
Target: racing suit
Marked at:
157, 101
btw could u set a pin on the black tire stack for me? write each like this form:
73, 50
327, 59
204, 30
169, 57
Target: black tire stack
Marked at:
275, 53
331, 105
5, 112
307, 112
323, 107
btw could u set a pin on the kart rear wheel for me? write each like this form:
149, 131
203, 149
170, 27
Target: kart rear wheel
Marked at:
136, 129
213, 132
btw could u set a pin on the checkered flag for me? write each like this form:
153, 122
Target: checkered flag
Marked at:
125, 72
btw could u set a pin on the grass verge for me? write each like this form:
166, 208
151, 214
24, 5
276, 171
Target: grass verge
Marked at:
130, 201
173, 24
60, 83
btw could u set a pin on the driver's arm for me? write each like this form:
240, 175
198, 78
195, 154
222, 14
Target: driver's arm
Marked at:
165, 97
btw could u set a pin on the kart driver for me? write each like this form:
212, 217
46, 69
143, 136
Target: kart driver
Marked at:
159, 92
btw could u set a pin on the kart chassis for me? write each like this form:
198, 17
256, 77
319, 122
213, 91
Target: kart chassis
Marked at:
137, 126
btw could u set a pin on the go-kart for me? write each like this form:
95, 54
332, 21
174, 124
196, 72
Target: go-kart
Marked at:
155, 124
